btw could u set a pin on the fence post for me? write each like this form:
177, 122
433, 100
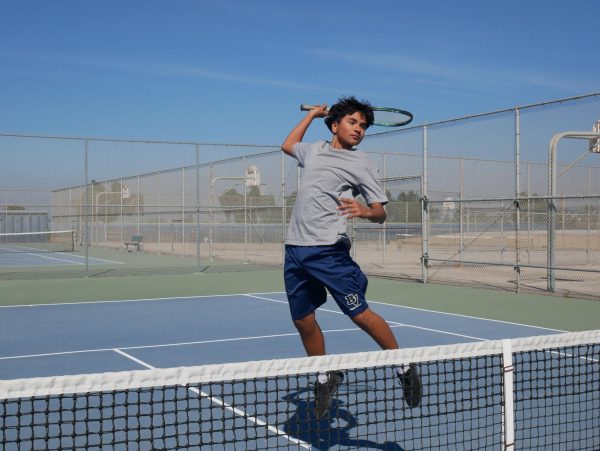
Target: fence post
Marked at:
210, 209
86, 241
283, 206
384, 225
182, 214
158, 210
424, 212
517, 195
121, 212
245, 212
587, 229
138, 206
198, 206
460, 209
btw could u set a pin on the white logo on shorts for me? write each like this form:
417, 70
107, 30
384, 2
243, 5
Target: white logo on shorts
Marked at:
352, 301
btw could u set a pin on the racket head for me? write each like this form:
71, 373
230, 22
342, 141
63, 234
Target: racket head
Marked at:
391, 117
384, 116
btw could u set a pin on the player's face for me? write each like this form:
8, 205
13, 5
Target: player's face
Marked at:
350, 130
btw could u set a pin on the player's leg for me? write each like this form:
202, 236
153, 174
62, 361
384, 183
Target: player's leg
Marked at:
328, 382
348, 285
377, 328
380, 331
325, 389
411, 384
305, 294
311, 335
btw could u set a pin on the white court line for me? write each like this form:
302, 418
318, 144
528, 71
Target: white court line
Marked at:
27, 265
117, 301
75, 262
236, 339
424, 310
103, 260
58, 259
393, 323
274, 300
220, 402
467, 316
136, 360
33, 251
168, 345
256, 296
208, 296
41, 265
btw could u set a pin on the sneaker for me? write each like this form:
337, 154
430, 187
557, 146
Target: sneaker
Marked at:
411, 385
325, 388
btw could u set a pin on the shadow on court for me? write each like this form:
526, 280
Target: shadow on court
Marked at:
329, 432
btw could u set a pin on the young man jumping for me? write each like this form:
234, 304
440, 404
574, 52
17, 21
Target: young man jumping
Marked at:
317, 247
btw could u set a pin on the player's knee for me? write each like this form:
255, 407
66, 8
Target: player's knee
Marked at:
306, 324
364, 319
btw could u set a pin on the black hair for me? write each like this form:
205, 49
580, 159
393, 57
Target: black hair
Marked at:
349, 105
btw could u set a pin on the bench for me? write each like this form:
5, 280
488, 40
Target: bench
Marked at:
135, 243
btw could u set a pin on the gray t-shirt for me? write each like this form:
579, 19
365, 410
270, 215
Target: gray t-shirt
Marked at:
327, 175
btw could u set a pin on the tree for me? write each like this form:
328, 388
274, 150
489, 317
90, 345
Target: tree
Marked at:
262, 207
290, 201
537, 208
405, 208
257, 206
233, 202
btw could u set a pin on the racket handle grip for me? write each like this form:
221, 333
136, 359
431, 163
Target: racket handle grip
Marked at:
305, 107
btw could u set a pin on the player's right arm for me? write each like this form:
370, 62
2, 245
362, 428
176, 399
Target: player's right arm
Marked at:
299, 130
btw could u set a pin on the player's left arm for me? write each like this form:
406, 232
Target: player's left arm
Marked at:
351, 208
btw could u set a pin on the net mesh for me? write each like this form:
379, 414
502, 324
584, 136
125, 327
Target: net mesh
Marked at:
33, 242
270, 404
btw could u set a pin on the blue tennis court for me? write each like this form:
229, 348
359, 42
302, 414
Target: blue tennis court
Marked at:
463, 393
59, 339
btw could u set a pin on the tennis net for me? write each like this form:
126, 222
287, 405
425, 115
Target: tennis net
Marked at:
532, 393
32, 242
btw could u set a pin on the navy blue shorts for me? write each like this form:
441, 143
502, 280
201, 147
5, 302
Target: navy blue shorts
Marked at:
310, 270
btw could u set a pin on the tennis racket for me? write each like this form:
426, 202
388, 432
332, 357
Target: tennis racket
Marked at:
384, 117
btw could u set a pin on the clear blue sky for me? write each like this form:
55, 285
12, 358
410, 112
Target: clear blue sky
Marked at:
235, 71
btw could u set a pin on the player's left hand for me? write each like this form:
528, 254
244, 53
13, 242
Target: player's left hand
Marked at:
351, 208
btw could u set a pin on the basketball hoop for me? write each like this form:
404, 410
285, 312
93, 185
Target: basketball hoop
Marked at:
125, 194
595, 142
252, 176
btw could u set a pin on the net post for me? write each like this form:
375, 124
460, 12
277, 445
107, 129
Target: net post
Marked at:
508, 408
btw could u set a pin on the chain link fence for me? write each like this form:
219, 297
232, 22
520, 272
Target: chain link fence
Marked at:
469, 204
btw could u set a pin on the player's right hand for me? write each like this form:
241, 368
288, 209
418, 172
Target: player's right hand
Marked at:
319, 110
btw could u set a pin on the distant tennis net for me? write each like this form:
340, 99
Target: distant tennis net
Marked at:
32, 242
535, 393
